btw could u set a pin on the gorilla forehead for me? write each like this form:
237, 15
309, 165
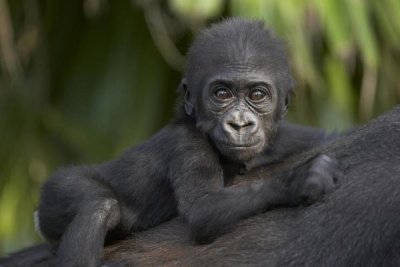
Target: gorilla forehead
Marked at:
238, 45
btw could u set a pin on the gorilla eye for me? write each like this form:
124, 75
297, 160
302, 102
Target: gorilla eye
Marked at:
257, 94
222, 93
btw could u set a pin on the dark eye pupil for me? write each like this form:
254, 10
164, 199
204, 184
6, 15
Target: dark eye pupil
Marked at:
222, 94
257, 95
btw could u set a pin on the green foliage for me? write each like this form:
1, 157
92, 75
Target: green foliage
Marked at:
82, 80
199, 10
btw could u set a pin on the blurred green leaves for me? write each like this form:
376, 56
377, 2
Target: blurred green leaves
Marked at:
197, 10
82, 80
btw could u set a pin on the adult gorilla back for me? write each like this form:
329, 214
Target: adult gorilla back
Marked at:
356, 225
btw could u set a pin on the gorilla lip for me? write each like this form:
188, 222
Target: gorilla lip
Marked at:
241, 145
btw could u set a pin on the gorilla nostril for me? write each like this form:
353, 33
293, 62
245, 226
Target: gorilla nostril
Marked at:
248, 124
237, 126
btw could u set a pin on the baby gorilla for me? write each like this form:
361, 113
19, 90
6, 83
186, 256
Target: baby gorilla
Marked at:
236, 90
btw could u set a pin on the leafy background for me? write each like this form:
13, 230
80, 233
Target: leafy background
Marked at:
81, 80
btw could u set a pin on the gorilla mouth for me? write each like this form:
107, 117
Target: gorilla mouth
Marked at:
241, 146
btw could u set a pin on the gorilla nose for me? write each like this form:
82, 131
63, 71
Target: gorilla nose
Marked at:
239, 122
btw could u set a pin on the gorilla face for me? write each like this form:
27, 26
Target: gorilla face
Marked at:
237, 112
237, 85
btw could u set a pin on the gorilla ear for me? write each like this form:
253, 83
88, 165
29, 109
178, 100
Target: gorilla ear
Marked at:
189, 108
289, 94
286, 106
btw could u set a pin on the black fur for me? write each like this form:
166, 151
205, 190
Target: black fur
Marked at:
185, 167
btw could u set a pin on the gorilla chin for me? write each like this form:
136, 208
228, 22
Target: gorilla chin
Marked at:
241, 146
